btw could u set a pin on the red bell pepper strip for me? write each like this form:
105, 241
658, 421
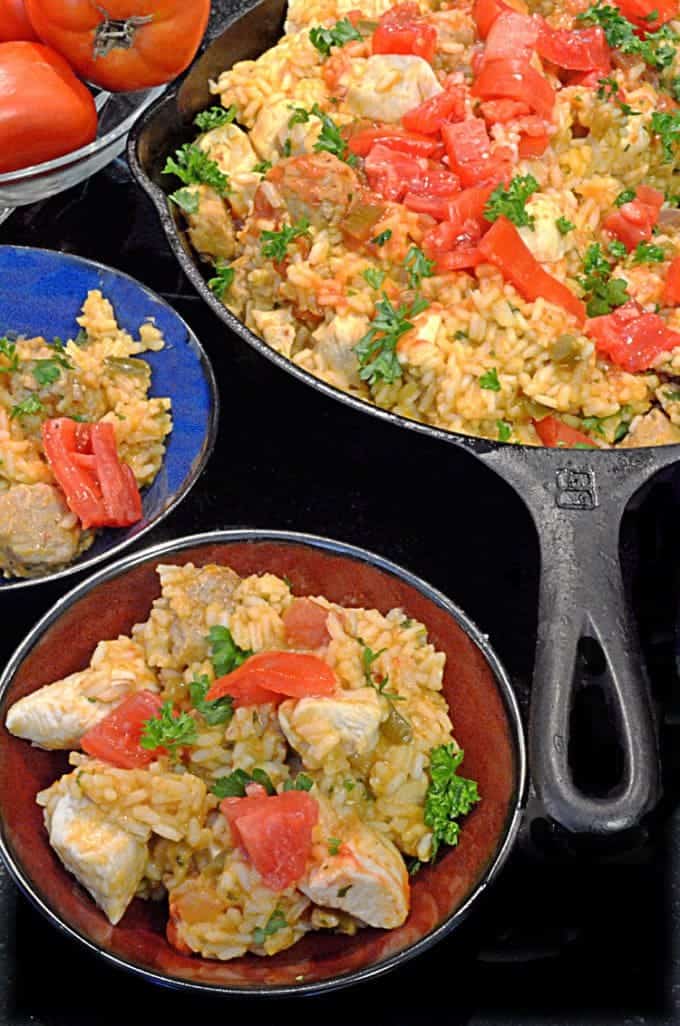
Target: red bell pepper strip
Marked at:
554, 433
631, 338
267, 676
503, 246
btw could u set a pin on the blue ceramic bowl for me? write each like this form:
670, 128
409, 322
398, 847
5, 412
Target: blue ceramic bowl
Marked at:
41, 293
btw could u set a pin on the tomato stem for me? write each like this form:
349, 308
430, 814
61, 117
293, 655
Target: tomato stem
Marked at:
117, 34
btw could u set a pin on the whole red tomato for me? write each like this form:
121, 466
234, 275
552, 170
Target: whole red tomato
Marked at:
123, 45
45, 111
14, 23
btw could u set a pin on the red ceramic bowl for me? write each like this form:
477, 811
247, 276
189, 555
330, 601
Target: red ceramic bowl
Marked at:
486, 724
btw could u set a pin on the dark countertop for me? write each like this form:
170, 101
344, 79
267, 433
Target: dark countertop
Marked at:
564, 938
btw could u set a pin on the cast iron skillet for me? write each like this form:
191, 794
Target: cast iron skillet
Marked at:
576, 497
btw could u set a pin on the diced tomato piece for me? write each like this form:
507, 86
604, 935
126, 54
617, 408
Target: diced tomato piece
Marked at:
435, 206
503, 246
268, 675
450, 235
463, 259
469, 151
515, 80
583, 49
402, 29
305, 624
634, 222
391, 174
276, 833
631, 338
399, 139
511, 35
485, 13
533, 145
116, 738
98, 487
554, 433
468, 206
499, 112
429, 116
640, 11
671, 292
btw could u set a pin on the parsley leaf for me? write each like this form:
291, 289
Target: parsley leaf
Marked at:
604, 292
301, 783
374, 277
169, 731
220, 710
222, 280
234, 785
418, 266
342, 32
627, 196
489, 381
667, 127
654, 48
300, 116
262, 167
274, 245
368, 657
214, 117
510, 201
8, 349
617, 250
504, 430
564, 226
384, 237
46, 372
186, 199
448, 795
648, 253
330, 140
224, 652
31, 405
334, 845
194, 167
607, 88
377, 350
277, 921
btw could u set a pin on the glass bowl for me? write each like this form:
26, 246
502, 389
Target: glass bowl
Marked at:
117, 114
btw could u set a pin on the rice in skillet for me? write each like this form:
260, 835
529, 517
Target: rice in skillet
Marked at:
368, 754
378, 259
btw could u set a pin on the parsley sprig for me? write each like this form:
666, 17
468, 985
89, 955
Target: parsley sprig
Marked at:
220, 710
330, 139
648, 253
655, 48
667, 126
224, 652
489, 381
448, 795
377, 350
234, 785
31, 405
194, 167
603, 292
8, 349
277, 921
509, 201
274, 245
325, 38
418, 266
222, 281
169, 731
214, 117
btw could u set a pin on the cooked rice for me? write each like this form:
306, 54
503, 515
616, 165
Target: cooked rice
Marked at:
315, 305
219, 905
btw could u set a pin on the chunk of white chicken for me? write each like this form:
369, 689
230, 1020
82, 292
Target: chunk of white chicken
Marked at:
385, 86
211, 229
38, 531
230, 148
335, 342
653, 428
364, 875
57, 715
104, 858
348, 722
272, 131
544, 239
276, 327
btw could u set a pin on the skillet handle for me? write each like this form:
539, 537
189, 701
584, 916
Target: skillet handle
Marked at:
577, 502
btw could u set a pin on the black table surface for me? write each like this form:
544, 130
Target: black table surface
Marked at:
568, 935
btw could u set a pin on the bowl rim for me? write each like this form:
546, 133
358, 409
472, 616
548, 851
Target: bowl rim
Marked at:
209, 440
340, 548
98, 145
